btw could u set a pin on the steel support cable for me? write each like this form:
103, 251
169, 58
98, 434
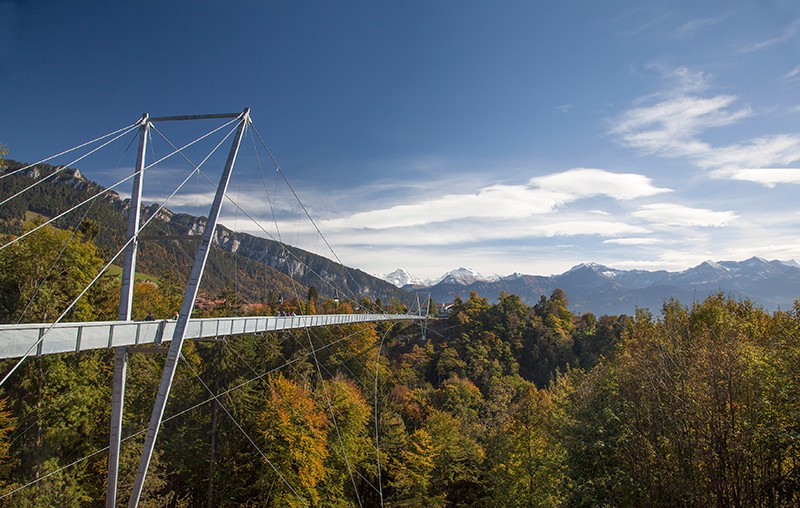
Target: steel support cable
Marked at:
243, 360
106, 191
284, 246
246, 435
355, 356
333, 416
278, 169
176, 415
253, 220
61, 253
296, 296
266, 190
66, 244
54, 173
102, 272
366, 480
352, 356
375, 392
128, 128
151, 146
336, 256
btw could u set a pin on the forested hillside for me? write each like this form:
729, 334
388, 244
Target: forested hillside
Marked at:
500, 404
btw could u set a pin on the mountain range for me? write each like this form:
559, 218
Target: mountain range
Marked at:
258, 268
254, 268
596, 288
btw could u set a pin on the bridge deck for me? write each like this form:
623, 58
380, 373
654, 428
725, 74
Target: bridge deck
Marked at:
15, 340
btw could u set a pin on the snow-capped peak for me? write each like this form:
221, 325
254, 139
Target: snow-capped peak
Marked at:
400, 278
791, 262
462, 276
708, 264
597, 267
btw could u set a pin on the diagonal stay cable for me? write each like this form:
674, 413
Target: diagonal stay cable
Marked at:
102, 272
246, 435
106, 191
375, 392
71, 149
54, 173
330, 408
278, 169
333, 416
284, 246
266, 190
66, 244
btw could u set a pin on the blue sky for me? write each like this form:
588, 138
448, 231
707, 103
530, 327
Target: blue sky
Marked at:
504, 136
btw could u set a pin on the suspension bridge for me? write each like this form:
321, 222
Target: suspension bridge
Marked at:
124, 336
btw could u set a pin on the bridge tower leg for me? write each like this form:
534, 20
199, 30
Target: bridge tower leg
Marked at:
186, 310
125, 302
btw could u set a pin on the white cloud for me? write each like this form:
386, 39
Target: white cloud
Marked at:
683, 216
690, 27
793, 73
669, 127
768, 177
786, 34
542, 195
588, 182
584, 227
471, 231
496, 201
681, 80
192, 199
760, 152
634, 241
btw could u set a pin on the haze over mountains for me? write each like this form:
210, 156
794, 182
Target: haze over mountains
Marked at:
596, 288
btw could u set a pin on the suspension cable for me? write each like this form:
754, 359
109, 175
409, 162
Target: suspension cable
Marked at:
333, 416
106, 191
278, 169
66, 244
54, 173
246, 435
128, 129
283, 246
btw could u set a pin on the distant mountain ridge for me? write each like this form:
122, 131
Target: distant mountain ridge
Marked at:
255, 267
596, 288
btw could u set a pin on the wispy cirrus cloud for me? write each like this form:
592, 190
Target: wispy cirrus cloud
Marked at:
671, 125
786, 34
792, 73
759, 152
669, 128
693, 26
683, 216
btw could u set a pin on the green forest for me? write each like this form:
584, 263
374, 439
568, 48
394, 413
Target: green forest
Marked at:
498, 404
